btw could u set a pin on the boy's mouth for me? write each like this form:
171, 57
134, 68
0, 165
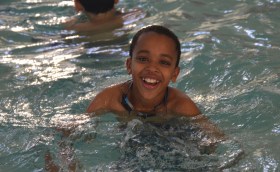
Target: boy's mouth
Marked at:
150, 81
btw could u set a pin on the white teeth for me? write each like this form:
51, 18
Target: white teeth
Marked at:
150, 80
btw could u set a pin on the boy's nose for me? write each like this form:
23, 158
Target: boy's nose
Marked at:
152, 66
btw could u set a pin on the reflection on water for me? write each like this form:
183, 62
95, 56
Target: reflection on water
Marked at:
229, 66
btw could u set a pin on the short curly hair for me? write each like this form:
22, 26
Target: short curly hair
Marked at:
160, 30
97, 6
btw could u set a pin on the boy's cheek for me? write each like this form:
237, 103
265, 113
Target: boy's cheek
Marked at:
175, 74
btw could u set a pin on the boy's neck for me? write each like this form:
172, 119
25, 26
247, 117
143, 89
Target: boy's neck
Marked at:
142, 104
102, 17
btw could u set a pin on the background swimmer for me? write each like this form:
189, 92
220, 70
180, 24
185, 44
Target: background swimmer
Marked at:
97, 15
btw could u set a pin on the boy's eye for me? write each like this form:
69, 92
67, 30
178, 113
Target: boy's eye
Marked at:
142, 59
166, 63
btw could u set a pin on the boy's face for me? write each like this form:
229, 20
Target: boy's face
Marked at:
153, 64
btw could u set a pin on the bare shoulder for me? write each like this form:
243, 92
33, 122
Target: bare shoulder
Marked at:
182, 104
107, 99
69, 23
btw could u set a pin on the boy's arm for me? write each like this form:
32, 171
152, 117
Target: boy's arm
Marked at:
208, 127
186, 107
182, 104
106, 100
101, 101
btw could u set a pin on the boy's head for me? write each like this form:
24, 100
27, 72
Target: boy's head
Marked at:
97, 6
159, 30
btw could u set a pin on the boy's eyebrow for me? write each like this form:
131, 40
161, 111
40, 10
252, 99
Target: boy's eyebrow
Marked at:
164, 55
142, 51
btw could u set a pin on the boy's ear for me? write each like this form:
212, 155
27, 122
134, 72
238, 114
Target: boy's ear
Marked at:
175, 74
116, 1
78, 6
128, 65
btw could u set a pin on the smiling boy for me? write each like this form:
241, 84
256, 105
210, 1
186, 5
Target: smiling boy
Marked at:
153, 63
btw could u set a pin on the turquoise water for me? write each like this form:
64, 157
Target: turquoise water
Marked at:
230, 67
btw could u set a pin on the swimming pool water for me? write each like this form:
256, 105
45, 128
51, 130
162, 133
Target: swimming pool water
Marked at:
230, 67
